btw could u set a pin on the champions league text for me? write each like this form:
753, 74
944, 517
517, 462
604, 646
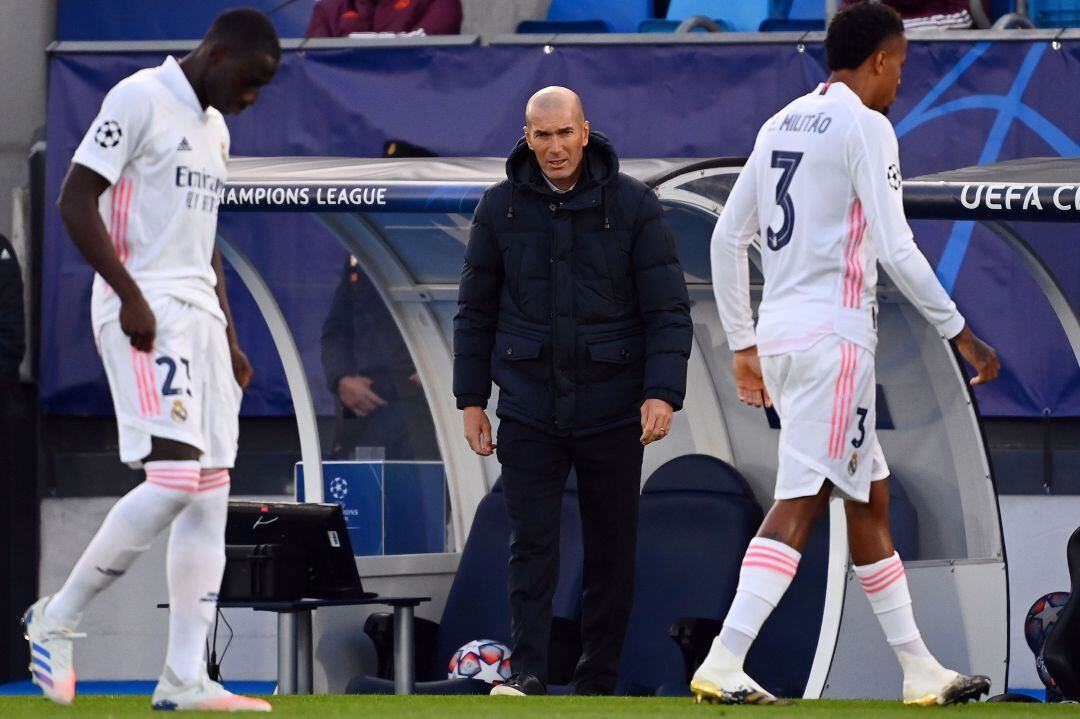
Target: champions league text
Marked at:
313, 197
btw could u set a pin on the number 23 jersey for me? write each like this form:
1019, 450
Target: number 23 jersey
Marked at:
822, 188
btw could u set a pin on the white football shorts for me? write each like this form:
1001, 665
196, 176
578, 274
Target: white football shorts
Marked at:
183, 390
825, 397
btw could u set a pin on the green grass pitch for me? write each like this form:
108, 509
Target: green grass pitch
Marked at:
431, 707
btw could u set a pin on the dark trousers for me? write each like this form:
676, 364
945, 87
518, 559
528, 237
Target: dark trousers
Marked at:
535, 466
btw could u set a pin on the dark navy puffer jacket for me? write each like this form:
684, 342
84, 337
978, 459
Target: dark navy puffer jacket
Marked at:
573, 304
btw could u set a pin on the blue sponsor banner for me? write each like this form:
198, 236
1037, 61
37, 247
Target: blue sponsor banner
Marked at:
962, 103
389, 507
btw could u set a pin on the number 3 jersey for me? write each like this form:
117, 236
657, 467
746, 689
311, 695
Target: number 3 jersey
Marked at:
165, 157
822, 189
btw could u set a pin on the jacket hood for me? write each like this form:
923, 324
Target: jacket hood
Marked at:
601, 165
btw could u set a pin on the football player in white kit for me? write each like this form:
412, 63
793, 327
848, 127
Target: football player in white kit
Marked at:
140, 202
822, 189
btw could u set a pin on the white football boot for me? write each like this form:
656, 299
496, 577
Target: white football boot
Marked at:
927, 683
721, 679
201, 695
51, 664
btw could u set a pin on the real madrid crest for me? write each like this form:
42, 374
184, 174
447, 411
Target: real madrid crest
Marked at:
179, 411
853, 464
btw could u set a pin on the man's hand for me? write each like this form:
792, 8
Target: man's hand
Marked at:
138, 322
747, 368
241, 367
655, 420
356, 393
478, 431
981, 355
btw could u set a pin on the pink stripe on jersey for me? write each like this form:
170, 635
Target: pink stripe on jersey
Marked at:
776, 567
857, 281
125, 215
853, 273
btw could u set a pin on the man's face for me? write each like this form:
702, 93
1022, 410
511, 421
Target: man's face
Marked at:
558, 136
235, 79
892, 65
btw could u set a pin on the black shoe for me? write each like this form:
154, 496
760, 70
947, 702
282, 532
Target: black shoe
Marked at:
520, 685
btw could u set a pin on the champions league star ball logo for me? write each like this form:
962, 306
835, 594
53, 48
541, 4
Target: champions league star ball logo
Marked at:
339, 488
108, 134
894, 176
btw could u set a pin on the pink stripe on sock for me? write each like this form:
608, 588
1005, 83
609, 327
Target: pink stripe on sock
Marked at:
891, 565
173, 484
883, 583
769, 565
214, 485
761, 552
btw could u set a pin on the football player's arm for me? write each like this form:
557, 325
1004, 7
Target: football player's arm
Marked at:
241, 366
113, 139
874, 161
731, 238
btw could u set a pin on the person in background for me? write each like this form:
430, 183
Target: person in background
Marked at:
371, 373
339, 18
928, 14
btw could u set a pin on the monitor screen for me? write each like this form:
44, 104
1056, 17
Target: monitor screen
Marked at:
318, 529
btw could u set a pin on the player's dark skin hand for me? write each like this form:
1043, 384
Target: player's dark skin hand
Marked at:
138, 322
981, 355
241, 367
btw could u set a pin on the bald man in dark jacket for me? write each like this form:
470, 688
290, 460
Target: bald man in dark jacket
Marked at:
573, 302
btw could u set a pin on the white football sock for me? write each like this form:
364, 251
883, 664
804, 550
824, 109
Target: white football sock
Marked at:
196, 562
885, 584
128, 530
767, 570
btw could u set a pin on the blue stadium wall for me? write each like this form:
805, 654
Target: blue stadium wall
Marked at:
962, 103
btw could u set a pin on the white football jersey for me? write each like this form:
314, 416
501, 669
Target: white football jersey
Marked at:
166, 159
822, 189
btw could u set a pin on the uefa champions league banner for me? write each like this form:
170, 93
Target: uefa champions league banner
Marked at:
961, 103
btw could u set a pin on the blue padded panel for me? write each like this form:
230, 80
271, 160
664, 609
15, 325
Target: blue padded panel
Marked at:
697, 473
478, 606
805, 10
792, 630
742, 15
690, 545
621, 15
903, 521
556, 27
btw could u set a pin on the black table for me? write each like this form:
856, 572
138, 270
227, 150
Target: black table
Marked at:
295, 655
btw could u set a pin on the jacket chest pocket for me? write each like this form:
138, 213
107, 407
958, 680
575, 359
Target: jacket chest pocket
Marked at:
527, 270
603, 259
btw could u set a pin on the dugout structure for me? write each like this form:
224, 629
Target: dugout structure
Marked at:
407, 222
